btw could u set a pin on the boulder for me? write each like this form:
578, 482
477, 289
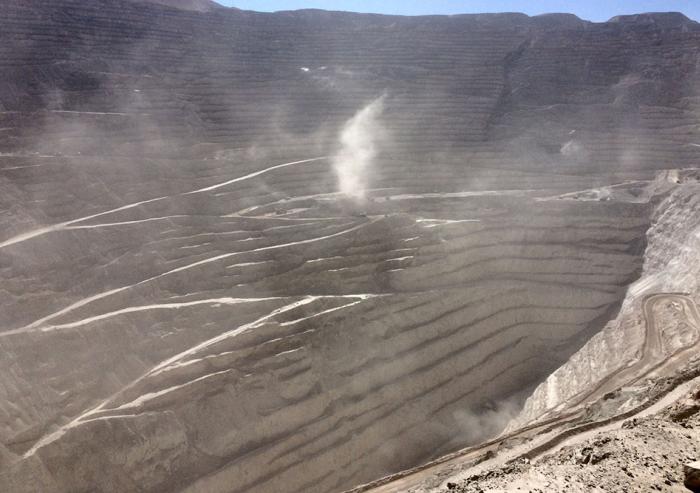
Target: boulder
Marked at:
692, 476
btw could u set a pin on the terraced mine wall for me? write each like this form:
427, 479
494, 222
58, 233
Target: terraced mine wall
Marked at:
187, 302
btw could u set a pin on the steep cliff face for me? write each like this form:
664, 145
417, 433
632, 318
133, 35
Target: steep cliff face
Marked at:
190, 303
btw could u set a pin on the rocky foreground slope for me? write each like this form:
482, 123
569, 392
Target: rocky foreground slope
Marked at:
189, 301
648, 453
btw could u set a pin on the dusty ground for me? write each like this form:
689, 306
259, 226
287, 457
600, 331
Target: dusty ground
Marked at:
641, 454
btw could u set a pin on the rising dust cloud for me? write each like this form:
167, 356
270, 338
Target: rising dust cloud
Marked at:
476, 426
358, 138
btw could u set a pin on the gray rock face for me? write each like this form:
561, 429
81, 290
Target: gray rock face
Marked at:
190, 305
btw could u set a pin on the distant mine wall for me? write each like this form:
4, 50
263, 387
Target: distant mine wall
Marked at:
623, 94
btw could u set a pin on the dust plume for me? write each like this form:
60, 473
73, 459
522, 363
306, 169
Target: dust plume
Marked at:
358, 138
476, 426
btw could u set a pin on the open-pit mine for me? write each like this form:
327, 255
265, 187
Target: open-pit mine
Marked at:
318, 251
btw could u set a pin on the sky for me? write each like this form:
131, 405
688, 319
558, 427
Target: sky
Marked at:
594, 10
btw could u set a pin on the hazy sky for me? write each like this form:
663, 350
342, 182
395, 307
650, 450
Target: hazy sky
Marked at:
596, 10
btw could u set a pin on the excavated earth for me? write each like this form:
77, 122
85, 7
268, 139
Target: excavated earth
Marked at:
188, 304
